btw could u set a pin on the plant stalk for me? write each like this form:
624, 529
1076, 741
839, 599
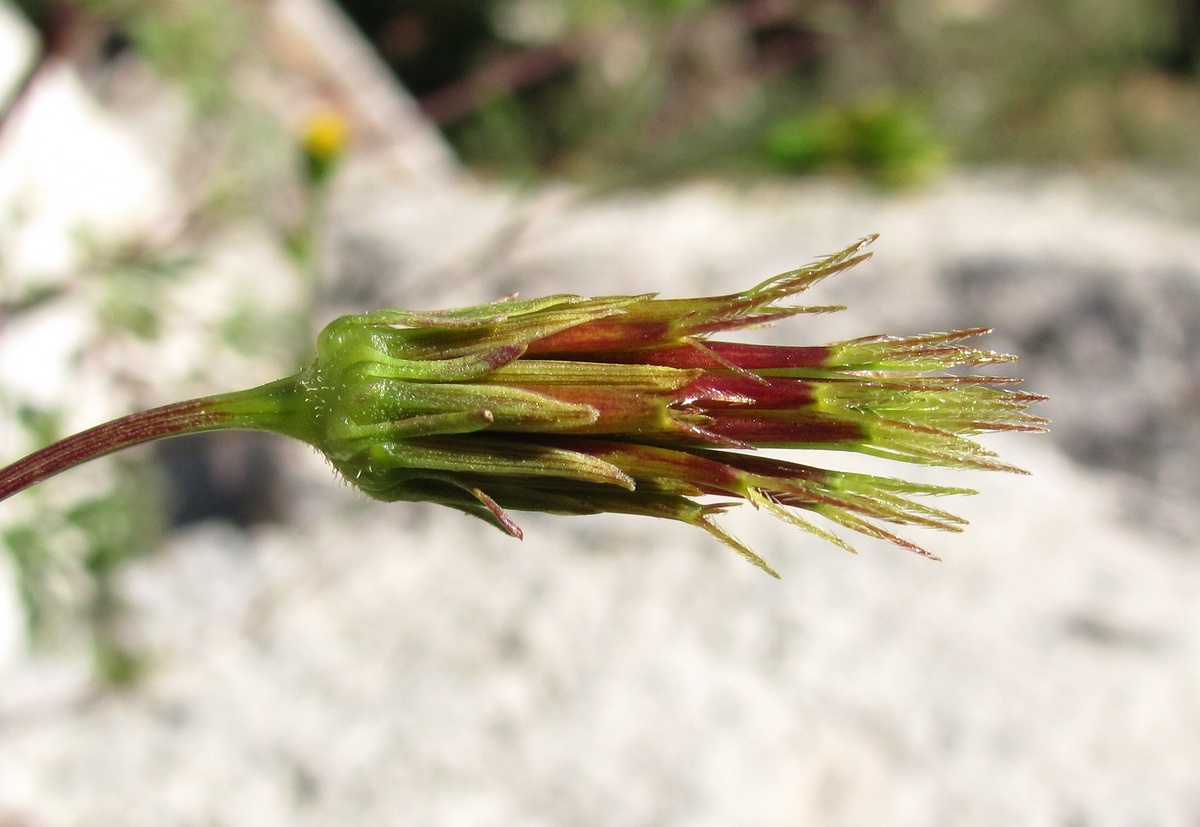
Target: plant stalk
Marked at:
265, 408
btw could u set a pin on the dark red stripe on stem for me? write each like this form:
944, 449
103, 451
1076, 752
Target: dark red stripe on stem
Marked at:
170, 420
722, 390
590, 338
770, 357
721, 355
785, 431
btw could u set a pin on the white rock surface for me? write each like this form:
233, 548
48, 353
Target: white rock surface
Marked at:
405, 665
372, 664
408, 666
59, 188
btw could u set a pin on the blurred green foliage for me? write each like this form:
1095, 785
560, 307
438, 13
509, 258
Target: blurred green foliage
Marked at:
67, 562
883, 140
624, 90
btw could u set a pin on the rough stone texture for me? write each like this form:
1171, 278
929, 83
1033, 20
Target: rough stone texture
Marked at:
403, 664
370, 664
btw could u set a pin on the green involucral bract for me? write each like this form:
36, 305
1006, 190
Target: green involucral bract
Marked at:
573, 405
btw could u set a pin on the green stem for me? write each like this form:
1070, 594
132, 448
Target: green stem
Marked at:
269, 407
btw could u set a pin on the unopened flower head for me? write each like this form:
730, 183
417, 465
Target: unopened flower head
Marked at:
627, 404
574, 405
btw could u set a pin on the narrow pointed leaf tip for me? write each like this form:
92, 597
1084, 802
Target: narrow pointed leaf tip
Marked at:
623, 404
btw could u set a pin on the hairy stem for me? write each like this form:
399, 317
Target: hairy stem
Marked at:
260, 409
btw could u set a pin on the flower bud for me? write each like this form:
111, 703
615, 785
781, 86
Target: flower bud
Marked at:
571, 405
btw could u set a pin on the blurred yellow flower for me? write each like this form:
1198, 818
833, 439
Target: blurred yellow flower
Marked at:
323, 139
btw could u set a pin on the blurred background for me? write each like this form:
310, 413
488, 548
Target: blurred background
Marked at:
608, 90
215, 631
